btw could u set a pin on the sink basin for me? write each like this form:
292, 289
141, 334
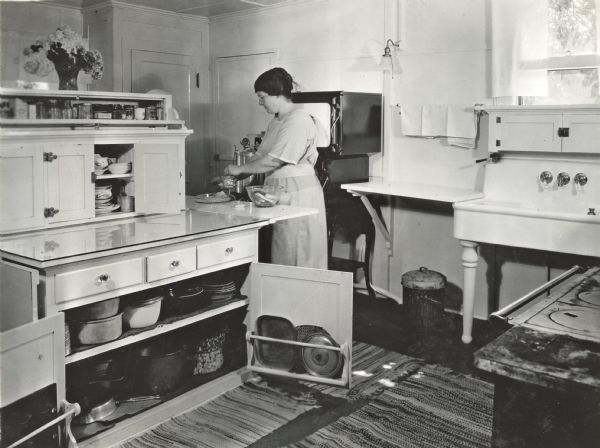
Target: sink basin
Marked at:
524, 225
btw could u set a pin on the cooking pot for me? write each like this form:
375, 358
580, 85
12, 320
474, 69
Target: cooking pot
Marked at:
142, 313
98, 310
100, 330
160, 368
184, 299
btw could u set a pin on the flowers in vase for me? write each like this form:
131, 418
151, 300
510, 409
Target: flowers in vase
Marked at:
63, 49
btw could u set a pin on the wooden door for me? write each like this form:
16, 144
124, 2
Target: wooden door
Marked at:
69, 185
21, 187
176, 75
584, 133
156, 177
236, 109
306, 298
18, 295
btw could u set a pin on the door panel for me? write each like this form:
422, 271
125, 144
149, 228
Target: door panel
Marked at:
171, 73
303, 296
21, 187
523, 132
156, 178
18, 295
237, 112
69, 182
584, 133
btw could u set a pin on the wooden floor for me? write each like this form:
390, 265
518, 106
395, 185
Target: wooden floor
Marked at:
383, 322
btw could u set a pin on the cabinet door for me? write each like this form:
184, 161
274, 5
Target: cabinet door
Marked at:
305, 297
21, 187
70, 189
525, 132
156, 178
18, 295
584, 133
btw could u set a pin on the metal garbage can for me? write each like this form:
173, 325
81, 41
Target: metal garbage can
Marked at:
423, 294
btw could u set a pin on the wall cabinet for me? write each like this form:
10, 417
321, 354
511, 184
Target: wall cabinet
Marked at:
49, 177
567, 129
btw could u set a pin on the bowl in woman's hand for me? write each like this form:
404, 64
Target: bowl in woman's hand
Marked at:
264, 195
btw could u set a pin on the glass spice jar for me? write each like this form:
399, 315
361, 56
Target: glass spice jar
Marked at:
85, 111
117, 112
128, 110
53, 110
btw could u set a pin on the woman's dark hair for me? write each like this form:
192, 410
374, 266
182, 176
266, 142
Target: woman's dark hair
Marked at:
275, 82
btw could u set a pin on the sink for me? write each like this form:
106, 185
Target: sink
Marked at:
525, 225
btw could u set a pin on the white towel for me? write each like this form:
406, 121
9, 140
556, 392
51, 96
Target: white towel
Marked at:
455, 122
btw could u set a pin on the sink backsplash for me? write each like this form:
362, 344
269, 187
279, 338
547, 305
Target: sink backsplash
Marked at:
516, 179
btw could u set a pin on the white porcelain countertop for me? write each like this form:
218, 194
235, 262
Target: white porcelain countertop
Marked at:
249, 210
414, 190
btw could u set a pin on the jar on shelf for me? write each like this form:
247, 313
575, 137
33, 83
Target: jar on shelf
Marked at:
85, 111
41, 109
160, 113
151, 113
117, 112
67, 112
53, 110
129, 112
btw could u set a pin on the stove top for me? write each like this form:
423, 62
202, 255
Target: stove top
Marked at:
572, 307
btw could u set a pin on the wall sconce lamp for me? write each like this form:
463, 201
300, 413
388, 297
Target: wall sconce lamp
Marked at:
387, 60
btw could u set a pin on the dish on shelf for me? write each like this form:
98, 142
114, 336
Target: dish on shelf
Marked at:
119, 168
107, 210
98, 310
211, 198
142, 312
99, 331
99, 171
276, 355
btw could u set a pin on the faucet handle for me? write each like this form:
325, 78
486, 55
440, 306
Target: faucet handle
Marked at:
546, 177
580, 179
563, 179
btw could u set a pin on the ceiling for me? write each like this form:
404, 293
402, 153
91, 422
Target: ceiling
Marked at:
204, 8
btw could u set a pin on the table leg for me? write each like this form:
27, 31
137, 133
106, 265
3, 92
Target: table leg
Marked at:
470, 259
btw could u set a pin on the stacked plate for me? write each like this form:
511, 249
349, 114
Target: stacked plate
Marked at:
119, 168
104, 200
220, 292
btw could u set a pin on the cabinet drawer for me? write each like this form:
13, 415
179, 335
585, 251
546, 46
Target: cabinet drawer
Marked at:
226, 250
97, 279
171, 264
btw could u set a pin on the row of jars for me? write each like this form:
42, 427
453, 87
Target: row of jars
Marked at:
54, 109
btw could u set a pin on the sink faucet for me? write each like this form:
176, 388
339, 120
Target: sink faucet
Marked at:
546, 177
563, 179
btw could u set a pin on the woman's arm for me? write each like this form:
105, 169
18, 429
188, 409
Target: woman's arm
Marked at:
257, 165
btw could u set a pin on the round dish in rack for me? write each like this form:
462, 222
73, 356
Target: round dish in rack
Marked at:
212, 198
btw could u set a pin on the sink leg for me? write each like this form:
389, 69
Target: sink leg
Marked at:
470, 259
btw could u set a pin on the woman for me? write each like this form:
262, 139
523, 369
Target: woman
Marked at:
287, 156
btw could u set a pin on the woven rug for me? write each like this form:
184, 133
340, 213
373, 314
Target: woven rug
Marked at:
235, 419
374, 370
434, 408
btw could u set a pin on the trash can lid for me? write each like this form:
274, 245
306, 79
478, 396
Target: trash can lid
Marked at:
423, 278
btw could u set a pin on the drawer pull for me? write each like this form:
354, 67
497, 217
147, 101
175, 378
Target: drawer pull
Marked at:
175, 263
229, 251
102, 278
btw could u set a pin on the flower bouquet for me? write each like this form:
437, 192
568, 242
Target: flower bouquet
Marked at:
66, 52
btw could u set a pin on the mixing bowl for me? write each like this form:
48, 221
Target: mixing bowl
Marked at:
264, 195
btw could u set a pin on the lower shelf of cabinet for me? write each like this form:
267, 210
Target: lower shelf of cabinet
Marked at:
128, 428
84, 352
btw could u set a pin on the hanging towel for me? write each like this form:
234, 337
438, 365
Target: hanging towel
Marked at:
456, 123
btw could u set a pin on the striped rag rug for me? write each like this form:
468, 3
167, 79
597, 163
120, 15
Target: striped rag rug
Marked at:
434, 408
374, 370
234, 419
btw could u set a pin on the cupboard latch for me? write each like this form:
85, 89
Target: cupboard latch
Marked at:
49, 212
50, 156
563, 132
497, 142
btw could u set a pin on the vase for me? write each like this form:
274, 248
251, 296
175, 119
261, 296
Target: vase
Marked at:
67, 76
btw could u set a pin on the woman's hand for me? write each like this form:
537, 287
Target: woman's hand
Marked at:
233, 170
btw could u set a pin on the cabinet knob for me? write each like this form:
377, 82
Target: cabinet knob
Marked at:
229, 251
102, 279
50, 212
175, 263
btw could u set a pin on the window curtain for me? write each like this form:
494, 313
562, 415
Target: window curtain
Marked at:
519, 34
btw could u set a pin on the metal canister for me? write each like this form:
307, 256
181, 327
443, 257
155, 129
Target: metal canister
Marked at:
423, 296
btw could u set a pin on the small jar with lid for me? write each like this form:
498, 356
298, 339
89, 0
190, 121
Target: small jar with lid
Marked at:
41, 110
117, 112
129, 112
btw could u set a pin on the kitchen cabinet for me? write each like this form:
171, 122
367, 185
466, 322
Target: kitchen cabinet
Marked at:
48, 168
566, 129
143, 253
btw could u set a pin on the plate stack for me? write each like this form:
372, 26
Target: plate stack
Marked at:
219, 291
104, 200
